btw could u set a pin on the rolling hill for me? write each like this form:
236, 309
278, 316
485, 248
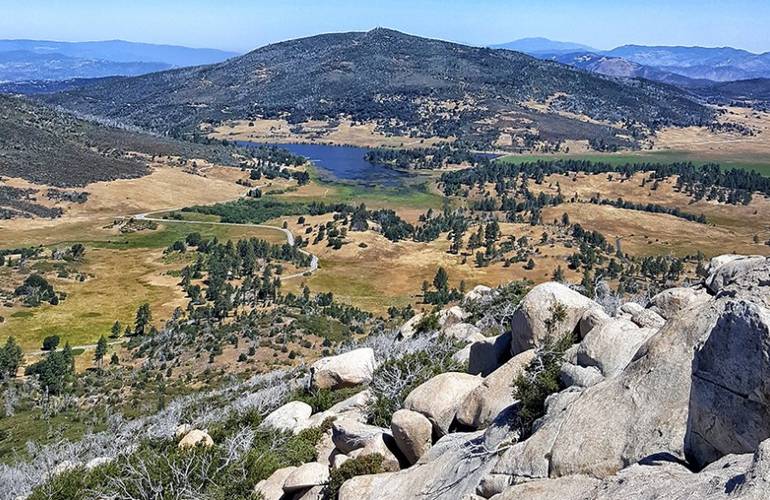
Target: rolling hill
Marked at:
406, 84
47, 146
539, 45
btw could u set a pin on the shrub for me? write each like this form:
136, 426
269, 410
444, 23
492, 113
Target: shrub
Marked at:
369, 464
323, 399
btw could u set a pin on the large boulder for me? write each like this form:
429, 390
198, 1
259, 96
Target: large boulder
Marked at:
489, 354
349, 435
355, 407
306, 476
532, 323
647, 318
196, 437
412, 432
383, 445
730, 396
464, 332
291, 417
272, 487
450, 317
599, 430
656, 478
612, 345
591, 319
477, 293
670, 303
581, 376
409, 328
737, 270
344, 370
440, 397
496, 393
452, 468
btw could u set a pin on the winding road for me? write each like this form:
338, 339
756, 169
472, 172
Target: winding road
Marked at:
289, 236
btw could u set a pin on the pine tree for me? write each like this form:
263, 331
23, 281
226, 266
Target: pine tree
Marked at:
116, 330
101, 351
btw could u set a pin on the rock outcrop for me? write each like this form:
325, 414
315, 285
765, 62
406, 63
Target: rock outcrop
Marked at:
530, 323
344, 370
412, 432
439, 398
291, 417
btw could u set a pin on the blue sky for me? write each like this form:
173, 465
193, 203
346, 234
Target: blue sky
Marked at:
243, 25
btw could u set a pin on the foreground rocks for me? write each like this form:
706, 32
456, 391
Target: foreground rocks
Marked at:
412, 433
439, 398
345, 370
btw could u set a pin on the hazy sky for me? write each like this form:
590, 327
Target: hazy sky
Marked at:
246, 24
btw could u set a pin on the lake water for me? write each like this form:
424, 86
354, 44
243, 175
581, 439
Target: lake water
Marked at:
345, 163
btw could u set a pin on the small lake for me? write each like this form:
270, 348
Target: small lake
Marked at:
342, 163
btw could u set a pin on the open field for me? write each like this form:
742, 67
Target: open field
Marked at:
374, 273
124, 270
344, 132
694, 144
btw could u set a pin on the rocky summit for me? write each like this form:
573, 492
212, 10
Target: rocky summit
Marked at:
667, 399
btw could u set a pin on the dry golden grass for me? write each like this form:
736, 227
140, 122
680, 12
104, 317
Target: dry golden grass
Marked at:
279, 131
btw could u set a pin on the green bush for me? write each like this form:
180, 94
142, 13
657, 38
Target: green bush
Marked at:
323, 399
369, 464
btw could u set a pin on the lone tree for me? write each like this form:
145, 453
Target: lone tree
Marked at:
116, 330
143, 319
441, 280
10, 359
101, 351
51, 342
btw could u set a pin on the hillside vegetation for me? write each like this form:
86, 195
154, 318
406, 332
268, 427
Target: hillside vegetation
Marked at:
404, 83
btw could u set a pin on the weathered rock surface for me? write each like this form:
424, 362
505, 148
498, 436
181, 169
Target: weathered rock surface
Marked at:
611, 346
412, 432
736, 271
485, 402
464, 332
489, 354
447, 318
591, 319
344, 370
272, 487
729, 409
647, 318
581, 376
440, 397
648, 415
352, 408
530, 321
195, 438
306, 476
670, 303
478, 293
451, 469
349, 435
383, 445
409, 328
291, 417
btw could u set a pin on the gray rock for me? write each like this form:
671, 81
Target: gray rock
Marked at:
670, 303
591, 319
640, 412
272, 487
580, 376
489, 354
612, 345
647, 318
344, 370
737, 270
463, 356
730, 396
631, 308
291, 417
409, 328
486, 401
464, 332
383, 445
306, 476
355, 408
479, 292
529, 324
450, 317
349, 435
412, 432
439, 398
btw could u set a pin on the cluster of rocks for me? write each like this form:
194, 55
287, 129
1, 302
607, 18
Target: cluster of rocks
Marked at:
668, 399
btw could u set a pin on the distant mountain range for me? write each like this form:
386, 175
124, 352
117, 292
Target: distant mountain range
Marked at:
25, 60
397, 81
658, 63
